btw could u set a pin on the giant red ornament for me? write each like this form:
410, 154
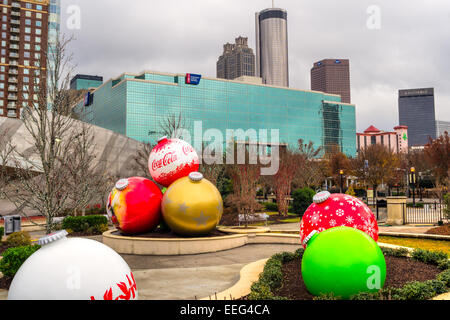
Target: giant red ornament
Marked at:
172, 159
134, 205
335, 210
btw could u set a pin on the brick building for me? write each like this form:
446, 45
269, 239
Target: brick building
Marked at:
332, 76
24, 33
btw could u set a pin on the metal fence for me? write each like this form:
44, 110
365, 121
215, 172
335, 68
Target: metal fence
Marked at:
428, 213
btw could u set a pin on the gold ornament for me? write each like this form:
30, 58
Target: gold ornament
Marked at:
192, 205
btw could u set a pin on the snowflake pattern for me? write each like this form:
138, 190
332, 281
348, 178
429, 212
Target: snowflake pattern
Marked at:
369, 227
315, 218
339, 210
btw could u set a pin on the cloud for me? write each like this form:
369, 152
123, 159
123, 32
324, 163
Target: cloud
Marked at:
410, 50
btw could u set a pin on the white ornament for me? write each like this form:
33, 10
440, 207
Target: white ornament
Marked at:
73, 269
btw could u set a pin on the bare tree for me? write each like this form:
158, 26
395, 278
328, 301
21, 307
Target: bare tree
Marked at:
375, 164
6, 152
311, 171
140, 161
245, 178
281, 181
173, 125
60, 174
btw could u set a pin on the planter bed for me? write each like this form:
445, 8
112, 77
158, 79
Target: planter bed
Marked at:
424, 275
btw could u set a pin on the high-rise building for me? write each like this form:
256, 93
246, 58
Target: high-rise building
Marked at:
236, 61
416, 110
54, 25
85, 82
332, 76
441, 127
23, 53
136, 104
272, 47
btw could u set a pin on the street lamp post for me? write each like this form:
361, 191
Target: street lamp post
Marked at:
412, 181
341, 173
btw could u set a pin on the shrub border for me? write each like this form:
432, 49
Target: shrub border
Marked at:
272, 276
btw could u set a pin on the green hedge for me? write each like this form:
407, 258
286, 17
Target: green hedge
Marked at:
84, 223
302, 199
272, 276
13, 258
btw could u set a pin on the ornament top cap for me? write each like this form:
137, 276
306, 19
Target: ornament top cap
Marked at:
306, 240
121, 184
162, 139
52, 237
321, 196
195, 176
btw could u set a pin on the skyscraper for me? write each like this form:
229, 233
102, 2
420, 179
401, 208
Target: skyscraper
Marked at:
237, 60
272, 47
332, 76
23, 53
54, 23
416, 110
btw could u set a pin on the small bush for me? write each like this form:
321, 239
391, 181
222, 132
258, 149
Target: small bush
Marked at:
84, 223
365, 296
350, 191
270, 206
421, 290
302, 199
327, 296
400, 252
2, 232
444, 264
444, 277
17, 239
430, 257
13, 258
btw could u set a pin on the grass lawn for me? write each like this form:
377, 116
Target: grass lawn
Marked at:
427, 244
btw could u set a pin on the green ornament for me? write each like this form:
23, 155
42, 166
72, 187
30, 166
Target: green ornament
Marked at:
343, 261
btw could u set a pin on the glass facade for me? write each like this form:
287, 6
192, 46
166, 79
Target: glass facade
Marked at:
417, 111
135, 105
54, 25
84, 82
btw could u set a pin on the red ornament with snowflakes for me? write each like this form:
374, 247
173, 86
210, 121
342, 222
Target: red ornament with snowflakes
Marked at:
335, 210
172, 159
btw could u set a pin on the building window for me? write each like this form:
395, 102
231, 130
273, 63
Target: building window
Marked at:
373, 140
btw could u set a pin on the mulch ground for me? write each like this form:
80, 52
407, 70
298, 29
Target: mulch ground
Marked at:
399, 271
158, 233
442, 230
3, 247
83, 234
5, 282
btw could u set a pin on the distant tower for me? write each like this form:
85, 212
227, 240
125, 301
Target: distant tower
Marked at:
416, 110
272, 47
237, 60
332, 76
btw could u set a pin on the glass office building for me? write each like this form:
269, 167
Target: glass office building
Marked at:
416, 110
85, 82
136, 104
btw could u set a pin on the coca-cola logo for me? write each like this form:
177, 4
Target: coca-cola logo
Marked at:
168, 159
187, 149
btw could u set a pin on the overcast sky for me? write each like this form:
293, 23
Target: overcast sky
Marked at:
411, 49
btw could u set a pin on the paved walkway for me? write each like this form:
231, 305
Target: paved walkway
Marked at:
401, 229
202, 275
